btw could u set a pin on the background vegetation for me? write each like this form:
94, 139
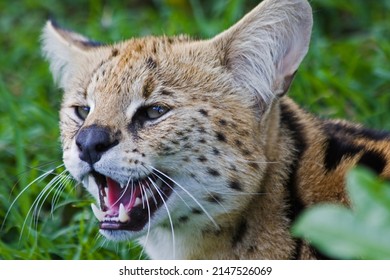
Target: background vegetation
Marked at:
345, 75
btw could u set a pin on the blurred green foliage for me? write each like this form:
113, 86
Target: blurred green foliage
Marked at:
359, 232
345, 75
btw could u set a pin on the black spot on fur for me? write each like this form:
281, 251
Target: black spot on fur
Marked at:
251, 249
336, 149
216, 151
340, 145
213, 172
221, 137
235, 185
183, 219
187, 146
148, 87
245, 152
355, 131
196, 211
290, 122
202, 158
179, 133
254, 165
202, 140
238, 143
201, 130
240, 233
222, 122
233, 167
166, 92
214, 198
374, 161
204, 112
151, 63
114, 52
166, 148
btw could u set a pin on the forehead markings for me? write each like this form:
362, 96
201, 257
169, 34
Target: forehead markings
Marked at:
149, 86
144, 52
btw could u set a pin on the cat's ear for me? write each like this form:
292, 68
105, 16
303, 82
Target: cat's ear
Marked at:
264, 49
68, 53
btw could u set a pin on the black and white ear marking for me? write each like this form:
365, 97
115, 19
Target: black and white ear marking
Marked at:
264, 49
67, 52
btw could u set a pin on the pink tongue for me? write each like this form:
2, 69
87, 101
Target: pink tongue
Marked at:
116, 195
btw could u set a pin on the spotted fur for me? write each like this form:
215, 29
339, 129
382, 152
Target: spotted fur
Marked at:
239, 159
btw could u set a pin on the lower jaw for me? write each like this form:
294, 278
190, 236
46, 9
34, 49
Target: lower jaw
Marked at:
119, 235
138, 219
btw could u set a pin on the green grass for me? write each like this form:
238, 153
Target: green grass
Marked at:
345, 75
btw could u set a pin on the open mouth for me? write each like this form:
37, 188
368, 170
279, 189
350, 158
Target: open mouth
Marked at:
129, 207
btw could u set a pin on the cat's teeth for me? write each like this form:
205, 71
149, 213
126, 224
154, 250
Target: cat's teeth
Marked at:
105, 200
137, 202
99, 214
123, 216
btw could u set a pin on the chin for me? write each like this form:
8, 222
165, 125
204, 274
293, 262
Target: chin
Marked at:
119, 235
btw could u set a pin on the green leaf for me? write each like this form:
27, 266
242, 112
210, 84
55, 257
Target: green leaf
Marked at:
370, 197
360, 232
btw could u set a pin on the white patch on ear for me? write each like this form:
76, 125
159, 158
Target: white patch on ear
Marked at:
68, 53
265, 48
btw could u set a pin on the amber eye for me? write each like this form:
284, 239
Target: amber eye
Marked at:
82, 112
156, 111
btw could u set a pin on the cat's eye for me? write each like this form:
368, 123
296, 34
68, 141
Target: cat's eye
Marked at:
82, 111
156, 111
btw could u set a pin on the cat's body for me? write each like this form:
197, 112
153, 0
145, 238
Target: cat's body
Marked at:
193, 148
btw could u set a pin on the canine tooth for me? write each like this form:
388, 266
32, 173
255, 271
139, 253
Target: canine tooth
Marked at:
123, 217
105, 200
99, 214
137, 202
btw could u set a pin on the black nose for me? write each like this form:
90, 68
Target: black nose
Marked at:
93, 141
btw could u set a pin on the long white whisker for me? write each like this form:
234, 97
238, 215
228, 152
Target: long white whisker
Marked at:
57, 181
190, 195
123, 193
142, 195
39, 178
240, 193
43, 194
56, 197
151, 194
148, 232
40, 167
173, 189
169, 216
